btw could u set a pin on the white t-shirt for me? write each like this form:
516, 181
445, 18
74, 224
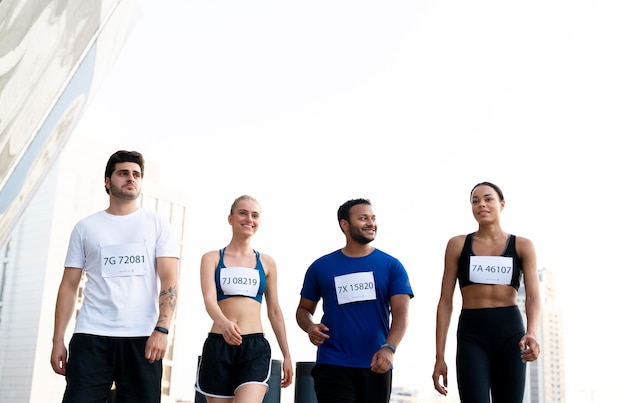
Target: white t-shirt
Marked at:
118, 255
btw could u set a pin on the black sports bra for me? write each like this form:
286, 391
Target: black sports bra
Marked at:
503, 269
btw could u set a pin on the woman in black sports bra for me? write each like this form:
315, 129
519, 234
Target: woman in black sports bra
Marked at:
493, 346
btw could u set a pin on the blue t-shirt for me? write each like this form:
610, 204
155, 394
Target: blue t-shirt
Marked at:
356, 294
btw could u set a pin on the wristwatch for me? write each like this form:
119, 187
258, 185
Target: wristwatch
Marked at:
390, 347
161, 329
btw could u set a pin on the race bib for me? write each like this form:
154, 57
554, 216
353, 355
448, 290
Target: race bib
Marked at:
240, 281
491, 269
124, 260
355, 287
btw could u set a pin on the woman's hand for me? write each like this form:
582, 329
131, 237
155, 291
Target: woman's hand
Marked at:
530, 348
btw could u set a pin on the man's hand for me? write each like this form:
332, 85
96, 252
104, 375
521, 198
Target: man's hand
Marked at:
58, 358
317, 333
156, 346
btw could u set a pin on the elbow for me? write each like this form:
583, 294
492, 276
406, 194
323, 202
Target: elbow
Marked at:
445, 306
303, 318
532, 301
273, 314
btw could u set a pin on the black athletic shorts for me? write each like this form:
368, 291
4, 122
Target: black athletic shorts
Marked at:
223, 367
95, 362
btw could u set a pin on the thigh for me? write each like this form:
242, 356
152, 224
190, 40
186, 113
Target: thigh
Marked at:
334, 384
472, 369
375, 388
90, 368
217, 368
508, 373
250, 392
254, 361
137, 380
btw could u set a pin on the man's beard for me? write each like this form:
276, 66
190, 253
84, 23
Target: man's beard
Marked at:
120, 194
358, 237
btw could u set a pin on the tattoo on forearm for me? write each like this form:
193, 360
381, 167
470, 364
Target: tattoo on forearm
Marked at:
170, 297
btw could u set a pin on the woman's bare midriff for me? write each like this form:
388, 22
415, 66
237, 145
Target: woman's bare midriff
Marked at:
244, 311
476, 296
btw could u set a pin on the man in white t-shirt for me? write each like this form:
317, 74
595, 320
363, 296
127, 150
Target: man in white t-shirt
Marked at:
130, 258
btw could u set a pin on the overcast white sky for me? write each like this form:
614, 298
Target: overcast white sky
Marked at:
408, 103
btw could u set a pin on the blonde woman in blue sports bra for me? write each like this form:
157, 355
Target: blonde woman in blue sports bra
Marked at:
493, 346
236, 357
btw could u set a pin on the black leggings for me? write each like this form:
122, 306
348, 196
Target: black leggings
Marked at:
488, 355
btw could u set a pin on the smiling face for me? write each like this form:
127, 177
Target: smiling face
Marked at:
125, 181
245, 216
361, 225
486, 204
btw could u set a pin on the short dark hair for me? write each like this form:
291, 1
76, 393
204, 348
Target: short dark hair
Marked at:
494, 187
344, 210
123, 156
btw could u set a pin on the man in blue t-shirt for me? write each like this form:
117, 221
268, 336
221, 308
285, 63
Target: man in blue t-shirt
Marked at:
365, 295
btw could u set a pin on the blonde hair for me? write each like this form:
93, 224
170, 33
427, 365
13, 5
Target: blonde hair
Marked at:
241, 198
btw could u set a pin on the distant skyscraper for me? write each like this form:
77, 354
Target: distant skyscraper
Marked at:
546, 376
32, 266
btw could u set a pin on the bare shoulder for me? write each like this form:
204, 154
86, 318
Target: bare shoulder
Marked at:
455, 244
268, 261
211, 254
526, 251
524, 244
451, 267
211, 257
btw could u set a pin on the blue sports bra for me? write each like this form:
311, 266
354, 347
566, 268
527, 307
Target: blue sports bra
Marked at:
240, 281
